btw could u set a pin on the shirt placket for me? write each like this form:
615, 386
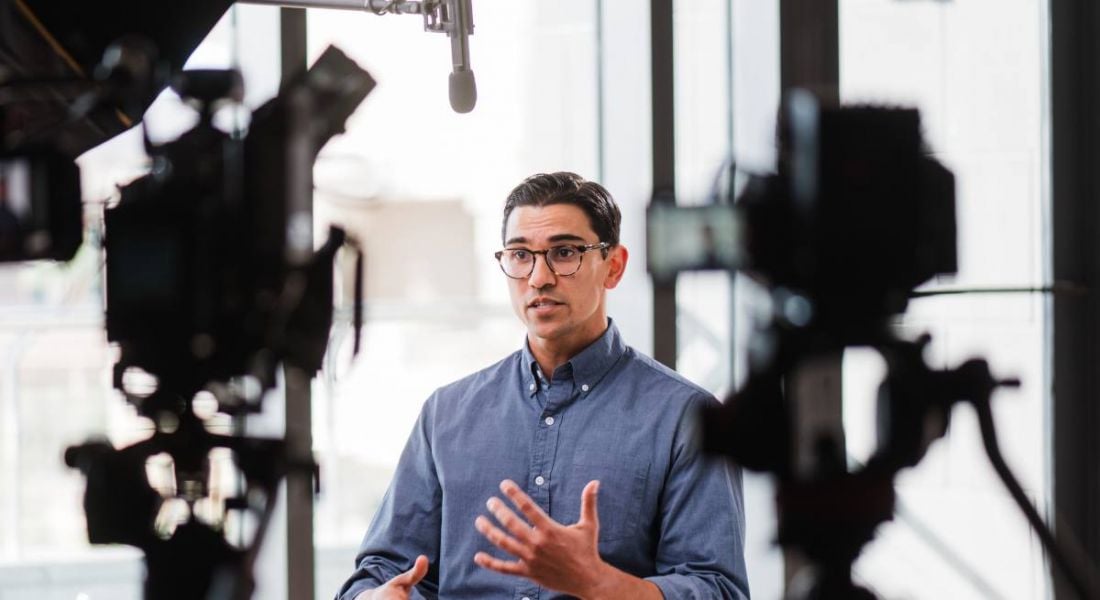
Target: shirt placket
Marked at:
552, 397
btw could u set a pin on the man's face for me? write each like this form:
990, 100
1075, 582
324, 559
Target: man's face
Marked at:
566, 311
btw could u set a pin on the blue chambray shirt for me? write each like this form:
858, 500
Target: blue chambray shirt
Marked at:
667, 512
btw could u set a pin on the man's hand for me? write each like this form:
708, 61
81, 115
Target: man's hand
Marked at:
399, 587
564, 558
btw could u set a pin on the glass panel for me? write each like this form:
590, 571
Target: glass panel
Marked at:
727, 88
975, 71
703, 145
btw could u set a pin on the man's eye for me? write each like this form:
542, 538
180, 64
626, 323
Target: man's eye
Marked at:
521, 255
564, 253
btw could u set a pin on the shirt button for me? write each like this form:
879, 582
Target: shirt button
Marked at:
548, 420
584, 388
531, 387
540, 480
526, 598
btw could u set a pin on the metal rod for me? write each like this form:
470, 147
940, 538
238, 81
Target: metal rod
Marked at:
301, 574
375, 6
809, 57
460, 44
301, 577
1072, 327
662, 88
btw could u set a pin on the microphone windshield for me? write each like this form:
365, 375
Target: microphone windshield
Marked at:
463, 90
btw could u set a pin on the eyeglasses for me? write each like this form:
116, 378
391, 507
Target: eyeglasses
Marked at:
519, 263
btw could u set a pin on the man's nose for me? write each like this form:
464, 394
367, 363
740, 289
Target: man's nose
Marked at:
541, 275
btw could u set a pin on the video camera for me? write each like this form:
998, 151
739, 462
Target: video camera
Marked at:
856, 217
211, 270
212, 278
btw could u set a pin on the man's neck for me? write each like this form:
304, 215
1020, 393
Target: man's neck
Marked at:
548, 364
551, 354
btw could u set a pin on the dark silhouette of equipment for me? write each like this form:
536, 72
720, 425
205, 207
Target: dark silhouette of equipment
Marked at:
73, 75
855, 218
209, 288
213, 282
52, 55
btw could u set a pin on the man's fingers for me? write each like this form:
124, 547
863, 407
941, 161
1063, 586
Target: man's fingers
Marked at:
589, 512
415, 574
501, 566
500, 539
510, 520
525, 504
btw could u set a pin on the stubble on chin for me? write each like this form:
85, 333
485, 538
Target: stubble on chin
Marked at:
547, 330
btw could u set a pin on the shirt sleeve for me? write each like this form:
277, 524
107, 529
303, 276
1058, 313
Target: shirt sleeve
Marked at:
701, 548
407, 523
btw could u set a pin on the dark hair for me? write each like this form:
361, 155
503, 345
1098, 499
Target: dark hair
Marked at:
564, 187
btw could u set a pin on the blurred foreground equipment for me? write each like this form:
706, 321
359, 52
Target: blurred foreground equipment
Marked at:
212, 284
73, 75
856, 217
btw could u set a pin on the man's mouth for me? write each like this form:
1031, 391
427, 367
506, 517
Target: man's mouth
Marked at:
543, 303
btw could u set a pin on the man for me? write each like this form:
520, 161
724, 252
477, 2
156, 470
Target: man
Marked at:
570, 468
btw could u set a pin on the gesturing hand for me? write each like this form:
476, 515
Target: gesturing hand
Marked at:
562, 557
399, 587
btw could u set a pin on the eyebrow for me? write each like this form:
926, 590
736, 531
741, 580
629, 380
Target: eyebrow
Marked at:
561, 237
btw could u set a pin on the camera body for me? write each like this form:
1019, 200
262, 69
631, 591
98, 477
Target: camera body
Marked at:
856, 216
213, 283
211, 269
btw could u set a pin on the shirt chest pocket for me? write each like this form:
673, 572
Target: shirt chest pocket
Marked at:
622, 493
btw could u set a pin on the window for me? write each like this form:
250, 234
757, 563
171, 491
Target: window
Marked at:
727, 88
975, 71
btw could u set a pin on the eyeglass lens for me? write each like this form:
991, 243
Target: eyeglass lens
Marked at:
519, 263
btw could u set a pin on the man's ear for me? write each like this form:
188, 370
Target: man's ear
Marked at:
617, 257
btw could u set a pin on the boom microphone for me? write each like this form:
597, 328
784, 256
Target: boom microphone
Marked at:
453, 17
461, 87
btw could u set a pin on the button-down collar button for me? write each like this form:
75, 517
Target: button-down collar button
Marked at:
540, 480
531, 387
584, 388
548, 420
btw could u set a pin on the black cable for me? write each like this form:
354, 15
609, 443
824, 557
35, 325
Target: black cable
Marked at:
1057, 288
722, 185
1073, 565
357, 313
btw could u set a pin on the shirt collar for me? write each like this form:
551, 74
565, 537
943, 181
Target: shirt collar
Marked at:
589, 365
